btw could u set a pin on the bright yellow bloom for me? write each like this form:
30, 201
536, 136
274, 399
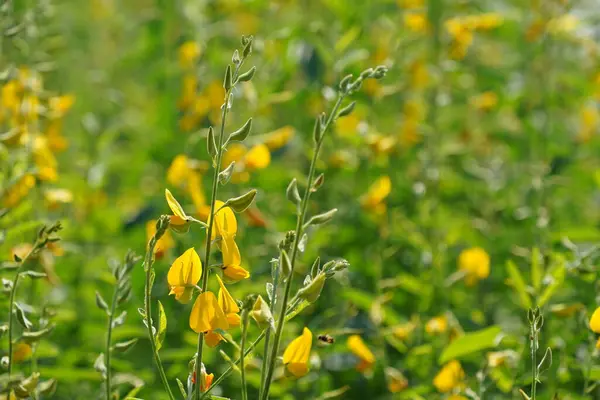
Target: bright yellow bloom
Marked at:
207, 315
188, 54
184, 274
225, 221
475, 263
189, 89
595, 321
562, 25
295, 356
179, 219
280, 137
411, 3
212, 338
232, 259
403, 331
360, 350
59, 105
589, 119
449, 377
228, 305
378, 191
485, 101
164, 244
396, 382
179, 171
436, 325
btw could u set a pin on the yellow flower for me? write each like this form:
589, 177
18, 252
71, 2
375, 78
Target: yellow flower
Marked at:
59, 105
595, 321
232, 259
179, 220
485, 101
564, 24
404, 331
21, 352
44, 159
178, 172
258, 157
475, 263
207, 315
449, 377
498, 358
588, 124
396, 382
225, 222
457, 397
416, 22
212, 338
411, 3
295, 356
228, 305
360, 350
279, 138
378, 191
188, 54
189, 88
436, 325
164, 244
55, 197
184, 274
15, 193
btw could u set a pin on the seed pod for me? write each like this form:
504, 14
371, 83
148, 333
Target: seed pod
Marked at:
285, 265
312, 291
242, 133
292, 193
227, 79
210, 143
247, 76
241, 203
347, 110
317, 130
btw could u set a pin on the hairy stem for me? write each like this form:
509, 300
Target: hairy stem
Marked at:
243, 355
148, 262
298, 234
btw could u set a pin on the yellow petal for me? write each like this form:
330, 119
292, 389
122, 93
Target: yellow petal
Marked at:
212, 338
298, 351
235, 152
178, 171
475, 262
225, 222
360, 349
298, 369
186, 270
207, 315
21, 352
258, 157
235, 273
449, 377
225, 300
174, 205
231, 252
279, 137
595, 321
378, 191
233, 320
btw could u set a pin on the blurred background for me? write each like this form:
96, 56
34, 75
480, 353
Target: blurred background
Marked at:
480, 148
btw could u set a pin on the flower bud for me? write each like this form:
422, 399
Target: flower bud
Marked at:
312, 291
262, 314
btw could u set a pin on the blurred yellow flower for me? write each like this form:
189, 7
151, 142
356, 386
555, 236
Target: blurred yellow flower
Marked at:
59, 105
279, 137
360, 350
589, 118
437, 325
475, 263
404, 331
411, 3
21, 352
419, 75
377, 193
595, 321
16, 192
484, 101
564, 24
348, 125
499, 358
297, 353
189, 90
462, 29
258, 157
189, 52
54, 197
207, 315
416, 21
164, 244
228, 305
184, 274
396, 382
449, 377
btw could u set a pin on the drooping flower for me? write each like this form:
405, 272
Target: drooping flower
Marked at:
360, 350
296, 355
475, 263
207, 315
184, 274
225, 221
205, 379
449, 377
228, 305
437, 325
396, 382
232, 260
179, 220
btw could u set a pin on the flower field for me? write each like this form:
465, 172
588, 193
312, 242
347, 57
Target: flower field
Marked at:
299, 199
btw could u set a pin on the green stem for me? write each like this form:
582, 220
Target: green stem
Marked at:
11, 305
298, 234
213, 199
148, 262
533, 362
109, 327
243, 355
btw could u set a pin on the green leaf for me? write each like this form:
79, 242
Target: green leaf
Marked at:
518, 284
34, 274
22, 318
471, 343
557, 273
162, 326
101, 303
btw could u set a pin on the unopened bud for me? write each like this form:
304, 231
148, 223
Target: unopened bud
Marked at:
262, 314
241, 203
312, 291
